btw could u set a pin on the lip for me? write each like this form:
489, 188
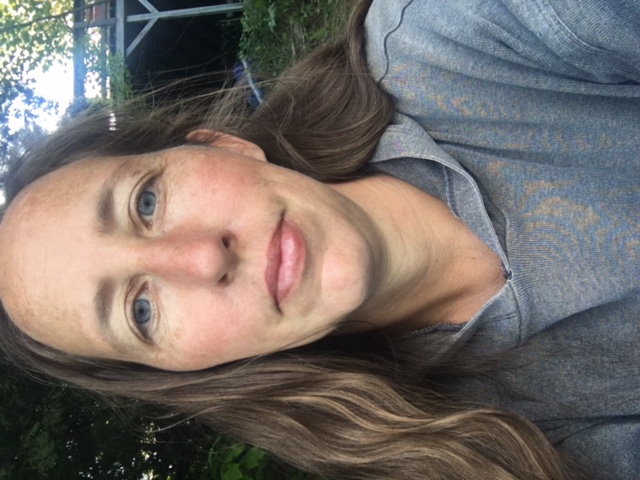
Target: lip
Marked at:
285, 261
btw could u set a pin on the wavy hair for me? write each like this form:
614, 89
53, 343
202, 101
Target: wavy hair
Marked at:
344, 407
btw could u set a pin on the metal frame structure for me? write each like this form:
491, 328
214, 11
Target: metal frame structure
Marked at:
119, 22
154, 15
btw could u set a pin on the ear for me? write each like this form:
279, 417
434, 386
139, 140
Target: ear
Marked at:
228, 142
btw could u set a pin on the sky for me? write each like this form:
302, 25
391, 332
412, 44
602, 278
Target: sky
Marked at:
55, 85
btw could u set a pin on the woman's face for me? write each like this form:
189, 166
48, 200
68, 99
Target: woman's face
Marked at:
183, 259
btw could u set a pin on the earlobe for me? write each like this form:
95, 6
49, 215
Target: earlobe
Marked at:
228, 142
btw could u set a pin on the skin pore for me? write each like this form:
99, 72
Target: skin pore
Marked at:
165, 259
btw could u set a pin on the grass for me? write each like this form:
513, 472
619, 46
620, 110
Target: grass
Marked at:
277, 32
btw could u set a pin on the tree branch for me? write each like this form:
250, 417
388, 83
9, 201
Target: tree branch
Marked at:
52, 17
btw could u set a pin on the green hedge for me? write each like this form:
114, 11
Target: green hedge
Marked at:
277, 32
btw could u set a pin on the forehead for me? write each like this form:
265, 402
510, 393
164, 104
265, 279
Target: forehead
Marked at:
43, 230
61, 188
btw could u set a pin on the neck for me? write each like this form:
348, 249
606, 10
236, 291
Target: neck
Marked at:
437, 270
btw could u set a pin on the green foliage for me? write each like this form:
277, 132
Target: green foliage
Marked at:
232, 461
50, 432
33, 32
277, 32
120, 80
57, 433
236, 462
33, 35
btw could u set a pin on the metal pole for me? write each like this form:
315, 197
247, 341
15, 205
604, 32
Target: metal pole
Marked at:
186, 12
120, 22
79, 40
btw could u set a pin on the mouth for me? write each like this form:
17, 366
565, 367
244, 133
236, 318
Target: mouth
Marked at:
285, 261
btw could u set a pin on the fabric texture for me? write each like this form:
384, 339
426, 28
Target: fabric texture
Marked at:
524, 117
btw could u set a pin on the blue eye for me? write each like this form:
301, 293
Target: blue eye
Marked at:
142, 311
147, 203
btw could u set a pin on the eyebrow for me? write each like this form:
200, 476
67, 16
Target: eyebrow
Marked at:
103, 304
103, 301
106, 207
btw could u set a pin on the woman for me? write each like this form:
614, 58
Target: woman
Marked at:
476, 201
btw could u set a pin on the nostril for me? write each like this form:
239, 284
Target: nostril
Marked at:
224, 279
226, 241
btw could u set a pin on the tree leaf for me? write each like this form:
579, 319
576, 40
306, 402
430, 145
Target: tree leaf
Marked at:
232, 472
253, 459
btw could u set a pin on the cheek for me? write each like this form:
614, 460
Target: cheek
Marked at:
210, 197
210, 329
221, 175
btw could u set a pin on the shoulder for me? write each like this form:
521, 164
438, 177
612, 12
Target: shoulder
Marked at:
617, 443
593, 40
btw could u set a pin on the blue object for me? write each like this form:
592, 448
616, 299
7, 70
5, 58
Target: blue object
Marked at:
242, 76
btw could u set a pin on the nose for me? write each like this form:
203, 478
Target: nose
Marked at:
190, 256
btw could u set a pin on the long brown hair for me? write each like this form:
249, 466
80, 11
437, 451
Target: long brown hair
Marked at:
342, 407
